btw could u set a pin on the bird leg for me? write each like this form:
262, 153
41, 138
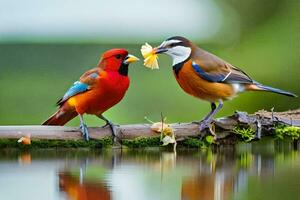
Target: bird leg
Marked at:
206, 122
84, 129
213, 108
112, 127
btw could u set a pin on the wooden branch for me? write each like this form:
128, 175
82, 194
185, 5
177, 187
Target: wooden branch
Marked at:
260, 121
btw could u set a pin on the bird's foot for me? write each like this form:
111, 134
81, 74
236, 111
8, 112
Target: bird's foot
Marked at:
207, 125
113, 128
204, 124
85, 132
105, 125
109, 123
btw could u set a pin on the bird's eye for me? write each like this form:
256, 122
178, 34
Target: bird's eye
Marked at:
118, 56
173, 44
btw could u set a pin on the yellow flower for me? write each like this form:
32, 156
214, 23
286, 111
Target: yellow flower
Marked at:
150, 60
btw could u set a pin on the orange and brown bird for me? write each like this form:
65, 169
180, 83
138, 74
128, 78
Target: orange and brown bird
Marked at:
208, 77
96, 91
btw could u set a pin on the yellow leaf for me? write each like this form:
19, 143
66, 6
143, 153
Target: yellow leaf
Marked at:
25, 140
158, 126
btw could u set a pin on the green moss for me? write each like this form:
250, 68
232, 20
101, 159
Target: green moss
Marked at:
139, 142
195, 143
284, 131
246, 134
142, 142
12, 143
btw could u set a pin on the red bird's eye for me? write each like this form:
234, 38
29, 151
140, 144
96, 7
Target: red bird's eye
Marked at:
118, 56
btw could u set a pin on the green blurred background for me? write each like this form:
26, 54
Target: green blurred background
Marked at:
39, 60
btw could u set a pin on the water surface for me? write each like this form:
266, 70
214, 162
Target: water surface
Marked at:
263, 170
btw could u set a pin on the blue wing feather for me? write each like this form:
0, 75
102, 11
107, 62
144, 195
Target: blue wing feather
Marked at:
206, 76
76, 88
235, 75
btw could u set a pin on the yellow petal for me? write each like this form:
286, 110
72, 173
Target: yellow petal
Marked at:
150, 60
146, 50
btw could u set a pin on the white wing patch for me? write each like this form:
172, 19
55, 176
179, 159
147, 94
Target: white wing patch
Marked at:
237, 87
226, 76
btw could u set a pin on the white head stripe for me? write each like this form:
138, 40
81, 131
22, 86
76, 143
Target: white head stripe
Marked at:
166, 43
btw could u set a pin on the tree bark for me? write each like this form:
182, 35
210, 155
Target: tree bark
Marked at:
261, 121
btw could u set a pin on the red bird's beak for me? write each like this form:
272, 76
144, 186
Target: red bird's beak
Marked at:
130, 59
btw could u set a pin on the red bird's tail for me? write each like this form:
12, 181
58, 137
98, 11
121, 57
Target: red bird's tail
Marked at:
60, 118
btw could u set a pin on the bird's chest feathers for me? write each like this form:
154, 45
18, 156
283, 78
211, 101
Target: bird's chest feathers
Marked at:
114, 83
186, 78
108, 91
196, 86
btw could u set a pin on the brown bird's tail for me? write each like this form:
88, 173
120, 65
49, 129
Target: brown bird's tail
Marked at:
260, 87
60, 118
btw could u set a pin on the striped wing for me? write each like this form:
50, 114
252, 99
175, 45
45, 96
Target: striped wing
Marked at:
214, 69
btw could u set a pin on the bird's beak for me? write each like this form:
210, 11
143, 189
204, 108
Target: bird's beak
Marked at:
159, 49
130, 59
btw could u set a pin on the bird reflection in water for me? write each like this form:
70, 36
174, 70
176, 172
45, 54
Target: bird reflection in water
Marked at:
24, 158
82, 191
188, 175
83, 181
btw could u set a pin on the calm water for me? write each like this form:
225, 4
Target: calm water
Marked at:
264, 170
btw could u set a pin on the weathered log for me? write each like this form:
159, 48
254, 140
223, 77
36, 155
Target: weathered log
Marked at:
259, 121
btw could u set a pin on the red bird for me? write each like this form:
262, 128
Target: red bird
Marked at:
96, 91
208, 77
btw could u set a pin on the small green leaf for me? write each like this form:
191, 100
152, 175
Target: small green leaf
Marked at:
247, 134
209, 139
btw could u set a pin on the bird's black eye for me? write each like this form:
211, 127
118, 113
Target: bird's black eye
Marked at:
173, 44
118, 56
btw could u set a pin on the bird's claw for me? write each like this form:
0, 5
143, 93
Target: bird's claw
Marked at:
85, 132
114, 132
204, 124
116, 140
207, 125
110, 124
105, 125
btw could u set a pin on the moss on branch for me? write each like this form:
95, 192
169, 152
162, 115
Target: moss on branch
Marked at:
240, 127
